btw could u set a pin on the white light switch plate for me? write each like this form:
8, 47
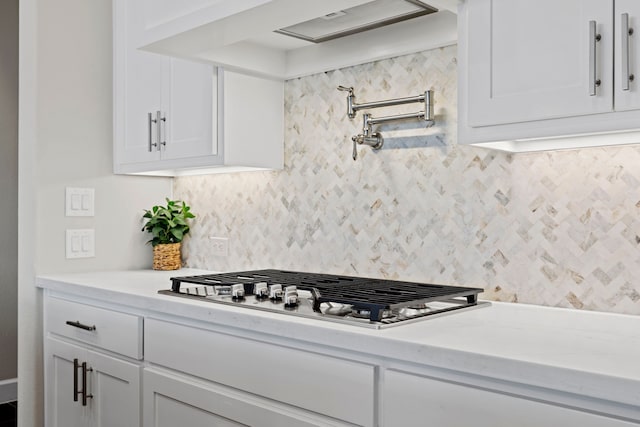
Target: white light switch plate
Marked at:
79, 201
81, 243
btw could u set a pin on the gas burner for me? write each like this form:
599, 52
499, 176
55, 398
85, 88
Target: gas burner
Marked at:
365, 313
335, 309
413, 311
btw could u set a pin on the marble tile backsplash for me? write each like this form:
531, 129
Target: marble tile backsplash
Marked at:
554, 228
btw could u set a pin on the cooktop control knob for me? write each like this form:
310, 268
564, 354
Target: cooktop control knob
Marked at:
275, 292
290, 296
261, 290
237, 291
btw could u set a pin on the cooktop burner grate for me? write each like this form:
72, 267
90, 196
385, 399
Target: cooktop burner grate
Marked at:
373, 296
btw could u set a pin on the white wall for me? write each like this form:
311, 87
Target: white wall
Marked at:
8, 191
66, 140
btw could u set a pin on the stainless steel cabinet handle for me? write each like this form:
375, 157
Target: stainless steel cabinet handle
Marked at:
594, 38
76, 366
159, 121
626, 33
150, 121
162, 137
77, 324
85, 396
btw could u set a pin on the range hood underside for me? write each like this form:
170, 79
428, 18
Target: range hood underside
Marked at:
364, 17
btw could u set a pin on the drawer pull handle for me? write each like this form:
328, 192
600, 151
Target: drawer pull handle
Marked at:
77, 324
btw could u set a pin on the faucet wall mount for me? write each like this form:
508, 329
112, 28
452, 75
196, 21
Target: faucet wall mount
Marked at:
374, 139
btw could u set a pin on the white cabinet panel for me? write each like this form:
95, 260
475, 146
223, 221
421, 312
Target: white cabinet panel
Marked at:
627, 61
445, 404
112, 330
171, 400
531, 60
253, 121
172, 116
60, 408
180, 92
191, 118
303, 379
113, 387
116, 391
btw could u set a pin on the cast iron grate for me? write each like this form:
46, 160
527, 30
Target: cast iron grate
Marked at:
374, 296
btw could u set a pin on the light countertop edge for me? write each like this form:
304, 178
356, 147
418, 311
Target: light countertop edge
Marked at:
573, 351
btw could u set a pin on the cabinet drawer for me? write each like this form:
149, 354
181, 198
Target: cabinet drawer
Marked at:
414, 400
330, 386
170, 399
107, 329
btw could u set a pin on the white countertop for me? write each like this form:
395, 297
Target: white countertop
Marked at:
587, 353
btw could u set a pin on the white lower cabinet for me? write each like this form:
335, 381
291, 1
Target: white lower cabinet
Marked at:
172, 399
96, 391
415, 400
200, 374
91, 365
341, 391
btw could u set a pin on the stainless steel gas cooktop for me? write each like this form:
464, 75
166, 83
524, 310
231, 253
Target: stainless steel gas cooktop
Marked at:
373, 303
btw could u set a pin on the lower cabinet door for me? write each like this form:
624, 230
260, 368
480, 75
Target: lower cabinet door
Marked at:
60, 408
112, 387
172, 399
115, 387
413, 400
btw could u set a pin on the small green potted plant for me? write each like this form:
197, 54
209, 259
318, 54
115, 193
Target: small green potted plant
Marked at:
168, 225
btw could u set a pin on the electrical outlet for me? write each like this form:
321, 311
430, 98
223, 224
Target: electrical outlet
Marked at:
219, 245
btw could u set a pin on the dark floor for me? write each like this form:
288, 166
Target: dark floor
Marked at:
9, 414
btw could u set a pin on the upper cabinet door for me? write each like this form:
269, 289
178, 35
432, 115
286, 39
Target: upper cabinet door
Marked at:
189, 101
532, 60
137, 84
627, 55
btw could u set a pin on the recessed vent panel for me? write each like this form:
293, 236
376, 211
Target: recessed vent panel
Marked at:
365, 17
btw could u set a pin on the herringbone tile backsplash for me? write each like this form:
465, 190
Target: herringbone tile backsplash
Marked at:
555, 228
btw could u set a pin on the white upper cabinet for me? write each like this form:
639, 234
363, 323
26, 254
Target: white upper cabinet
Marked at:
169, 116
547, 69
163, 107
532, 60
627, 54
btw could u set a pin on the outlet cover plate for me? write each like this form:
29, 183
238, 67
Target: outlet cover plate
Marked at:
219, 246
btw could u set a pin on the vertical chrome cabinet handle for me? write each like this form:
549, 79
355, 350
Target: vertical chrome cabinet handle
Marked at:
151, 120
626, 33
594, 38
158, 121
162, 136
76, 366
85, 396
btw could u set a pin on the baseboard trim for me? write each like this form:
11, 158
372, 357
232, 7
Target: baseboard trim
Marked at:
8, 390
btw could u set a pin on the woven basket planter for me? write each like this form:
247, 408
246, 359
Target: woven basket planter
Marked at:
167, 256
